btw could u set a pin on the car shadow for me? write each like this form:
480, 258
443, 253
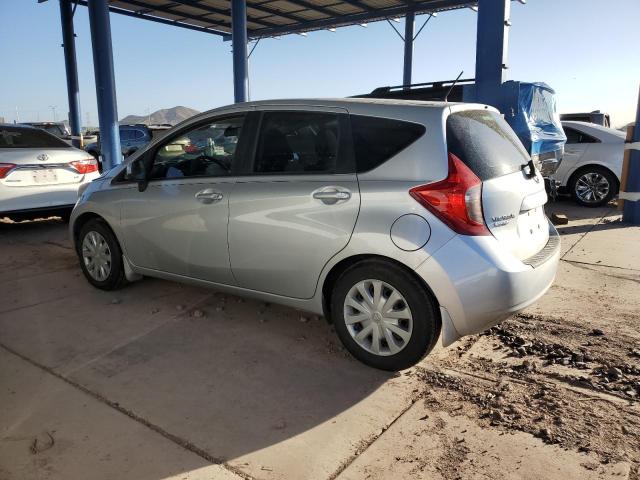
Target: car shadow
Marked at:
240, 381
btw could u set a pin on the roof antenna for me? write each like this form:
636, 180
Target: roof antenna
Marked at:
453, 85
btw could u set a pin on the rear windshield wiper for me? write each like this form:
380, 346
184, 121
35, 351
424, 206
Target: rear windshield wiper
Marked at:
532, 169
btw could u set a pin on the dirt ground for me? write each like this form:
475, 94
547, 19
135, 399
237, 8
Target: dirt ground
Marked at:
166, 381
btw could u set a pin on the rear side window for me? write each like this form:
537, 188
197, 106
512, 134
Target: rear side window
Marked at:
298, 142
574, 136
485, 143
15, 137
376, 140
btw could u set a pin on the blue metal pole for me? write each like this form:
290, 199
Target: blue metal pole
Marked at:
239, 39
491, 49
410, 21
105, 83
631, 209
73, 91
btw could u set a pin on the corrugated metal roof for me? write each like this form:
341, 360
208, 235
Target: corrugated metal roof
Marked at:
271, 18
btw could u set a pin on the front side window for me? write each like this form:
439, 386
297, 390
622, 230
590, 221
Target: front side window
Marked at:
206, 151
297, 142
25, 137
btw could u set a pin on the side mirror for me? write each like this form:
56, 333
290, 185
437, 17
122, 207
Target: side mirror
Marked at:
136, 172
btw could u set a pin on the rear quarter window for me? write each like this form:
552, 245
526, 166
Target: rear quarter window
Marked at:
14, 137
376, 140
485, 142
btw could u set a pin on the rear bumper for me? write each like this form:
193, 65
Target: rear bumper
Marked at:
13, 199
478, 284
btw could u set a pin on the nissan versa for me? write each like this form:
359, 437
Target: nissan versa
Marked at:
395, 219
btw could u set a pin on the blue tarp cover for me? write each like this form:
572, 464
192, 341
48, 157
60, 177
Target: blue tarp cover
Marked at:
534, 116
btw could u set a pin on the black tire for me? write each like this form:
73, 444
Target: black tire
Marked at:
115, 278
596, 170
426, 320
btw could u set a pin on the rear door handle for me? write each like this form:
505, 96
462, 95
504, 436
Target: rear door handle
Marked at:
208, 195
332, 195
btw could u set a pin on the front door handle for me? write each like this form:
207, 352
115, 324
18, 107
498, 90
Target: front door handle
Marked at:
208, 195
332, 195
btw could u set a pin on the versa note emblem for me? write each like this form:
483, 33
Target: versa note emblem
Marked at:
502, 220
43, 157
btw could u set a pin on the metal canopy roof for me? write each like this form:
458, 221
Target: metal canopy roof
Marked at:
271, 18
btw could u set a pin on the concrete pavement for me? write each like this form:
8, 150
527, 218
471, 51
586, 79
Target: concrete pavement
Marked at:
138, 384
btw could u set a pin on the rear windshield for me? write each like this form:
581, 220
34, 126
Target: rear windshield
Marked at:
22, 137
485, 143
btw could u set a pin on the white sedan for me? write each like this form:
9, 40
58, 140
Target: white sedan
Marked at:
592, 164
40, 174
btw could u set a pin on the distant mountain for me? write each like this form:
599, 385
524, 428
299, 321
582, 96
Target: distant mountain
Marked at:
172, 116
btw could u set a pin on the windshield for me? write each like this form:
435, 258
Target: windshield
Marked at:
23, 137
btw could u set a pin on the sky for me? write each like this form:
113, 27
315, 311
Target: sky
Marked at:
584, 49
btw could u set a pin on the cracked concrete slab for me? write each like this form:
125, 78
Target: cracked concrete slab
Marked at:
581, 220
278, 399
72, 323
51, 430
607, 245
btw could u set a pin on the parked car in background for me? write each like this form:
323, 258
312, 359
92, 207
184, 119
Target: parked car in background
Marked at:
40, 174
132, 138
59, 129
90, 136
592, 163
596, 117
395, 219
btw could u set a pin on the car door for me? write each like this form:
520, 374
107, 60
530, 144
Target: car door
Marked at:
574, 150
178, 224
298, 206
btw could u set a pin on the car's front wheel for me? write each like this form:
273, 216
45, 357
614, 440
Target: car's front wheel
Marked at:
593, 186
100, 256
384, 316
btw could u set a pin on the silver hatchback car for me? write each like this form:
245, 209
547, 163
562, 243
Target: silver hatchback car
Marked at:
398, 221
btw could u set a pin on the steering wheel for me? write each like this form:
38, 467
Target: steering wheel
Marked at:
207, 158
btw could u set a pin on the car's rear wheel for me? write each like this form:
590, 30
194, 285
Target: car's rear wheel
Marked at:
593, 186
383, 315
100, 256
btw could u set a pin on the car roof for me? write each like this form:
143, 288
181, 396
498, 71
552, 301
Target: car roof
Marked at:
405, 109
18, 125
338, 102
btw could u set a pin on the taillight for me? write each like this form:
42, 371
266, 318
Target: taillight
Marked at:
456, 200
87, 165
5, 168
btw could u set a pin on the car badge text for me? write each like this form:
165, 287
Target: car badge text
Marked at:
502, 220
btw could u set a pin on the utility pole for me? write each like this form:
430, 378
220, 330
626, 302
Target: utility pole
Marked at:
53, 109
